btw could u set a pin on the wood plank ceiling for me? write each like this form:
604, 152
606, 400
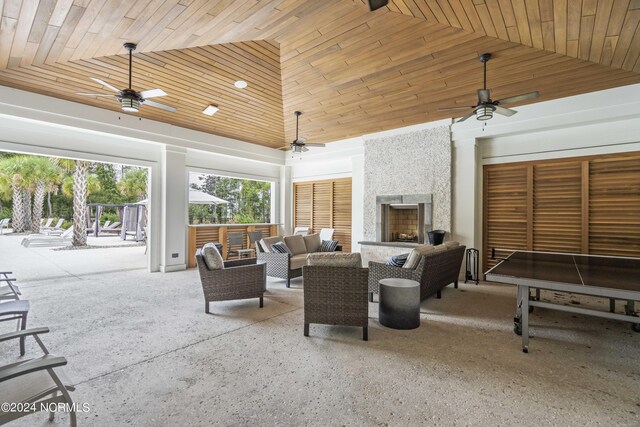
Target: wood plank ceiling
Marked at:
351, 71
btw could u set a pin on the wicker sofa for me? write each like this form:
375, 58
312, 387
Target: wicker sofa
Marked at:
437, 269
287, 266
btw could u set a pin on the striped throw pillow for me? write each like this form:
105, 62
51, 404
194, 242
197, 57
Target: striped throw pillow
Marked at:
398, 260
329, 245
280, 248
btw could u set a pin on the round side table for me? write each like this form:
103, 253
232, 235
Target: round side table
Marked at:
399, 306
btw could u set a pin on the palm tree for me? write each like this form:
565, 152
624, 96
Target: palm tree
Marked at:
80, 169
134, 183
13, 169
43, 175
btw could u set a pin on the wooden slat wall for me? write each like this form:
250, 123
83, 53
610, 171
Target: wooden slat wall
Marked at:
557, 207
614, 206
324, 204
578, 205
505, 209
198, 235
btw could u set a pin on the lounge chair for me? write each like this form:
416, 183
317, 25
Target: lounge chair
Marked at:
46, 224
111, 228
53, 230
4, 223
42, 240
10, 291
16, 310
39, 381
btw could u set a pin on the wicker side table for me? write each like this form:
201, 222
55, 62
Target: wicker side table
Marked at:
399, 306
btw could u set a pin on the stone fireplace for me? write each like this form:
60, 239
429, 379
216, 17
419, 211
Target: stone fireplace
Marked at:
403, 218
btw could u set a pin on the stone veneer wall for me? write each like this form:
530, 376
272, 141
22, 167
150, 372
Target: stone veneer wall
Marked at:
412, 163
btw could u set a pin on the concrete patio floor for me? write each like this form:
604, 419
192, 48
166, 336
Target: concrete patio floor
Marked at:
142, 351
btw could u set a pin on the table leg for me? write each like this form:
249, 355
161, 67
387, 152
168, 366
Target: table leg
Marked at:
524, 319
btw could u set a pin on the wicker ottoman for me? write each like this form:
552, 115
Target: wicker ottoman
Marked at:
399, 306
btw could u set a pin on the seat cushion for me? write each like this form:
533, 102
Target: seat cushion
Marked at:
298, 261
335, 259
266, 243
212, 257
296, 244
312, 242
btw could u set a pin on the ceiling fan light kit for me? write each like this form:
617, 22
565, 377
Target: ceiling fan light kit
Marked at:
486, 107
129, 99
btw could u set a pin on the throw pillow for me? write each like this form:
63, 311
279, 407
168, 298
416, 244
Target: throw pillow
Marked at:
312, 243
398, 260
212, 257
412, 260
335, 259
280, 248
329, 245
452, 244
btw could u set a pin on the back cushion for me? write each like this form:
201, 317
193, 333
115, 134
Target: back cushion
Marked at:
296, 244
451, 244
335, 259
312, 242
212, 257
268, 241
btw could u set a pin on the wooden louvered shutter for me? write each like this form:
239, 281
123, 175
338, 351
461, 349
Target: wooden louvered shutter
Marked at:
342, 213
614, 206
322, 192
325, 204
505, 210
557, 207
303, 204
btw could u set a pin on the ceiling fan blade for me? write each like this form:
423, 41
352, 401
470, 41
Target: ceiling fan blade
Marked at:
484, 95
456, 108
518, 98
152, 93
304, 149
94, 94
504, 111
471, 114
287, 148
315, 144
105, 84
161, 106
300, 140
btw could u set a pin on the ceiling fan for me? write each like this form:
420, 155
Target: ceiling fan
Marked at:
485, 107
377, 4
298, 145
130, 100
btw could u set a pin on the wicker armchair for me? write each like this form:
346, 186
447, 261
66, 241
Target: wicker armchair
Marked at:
434, 272
239, 279
279, 265
336, 296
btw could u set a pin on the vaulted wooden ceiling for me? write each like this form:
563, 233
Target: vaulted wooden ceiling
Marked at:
351, 71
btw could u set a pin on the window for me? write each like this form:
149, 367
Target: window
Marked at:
215, 199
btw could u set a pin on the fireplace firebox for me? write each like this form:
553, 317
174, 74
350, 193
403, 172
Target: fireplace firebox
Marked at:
403, 218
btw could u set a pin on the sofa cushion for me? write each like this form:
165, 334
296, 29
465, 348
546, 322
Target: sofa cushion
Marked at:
414, 256
212, 257
280, 248
335, 259
312, 242
296, 244
451, 244
268, 241
298, 261
329, 245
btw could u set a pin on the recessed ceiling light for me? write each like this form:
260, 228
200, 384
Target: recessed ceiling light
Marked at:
210, 110
240, 84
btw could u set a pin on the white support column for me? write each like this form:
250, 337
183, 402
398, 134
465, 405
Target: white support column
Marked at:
173, 209
286, 200
465, 205
357, 202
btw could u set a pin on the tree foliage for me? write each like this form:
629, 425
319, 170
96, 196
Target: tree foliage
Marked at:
248, 201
